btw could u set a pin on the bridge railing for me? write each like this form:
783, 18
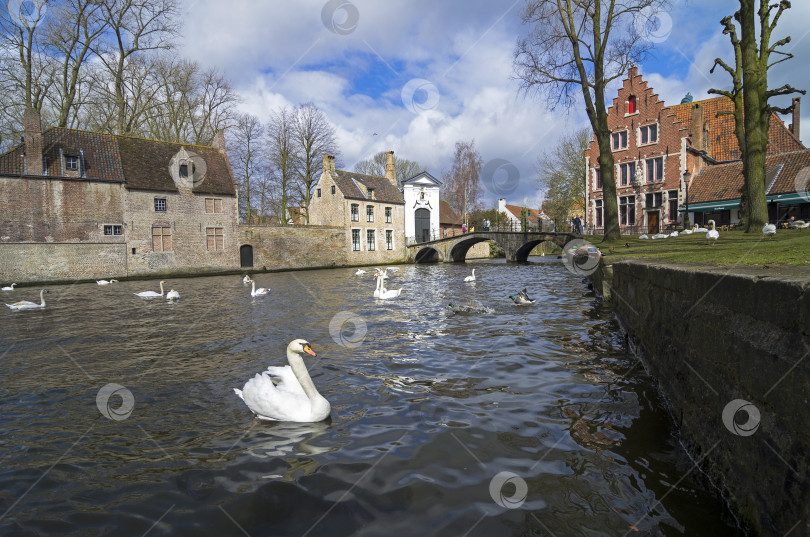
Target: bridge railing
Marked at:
507, 227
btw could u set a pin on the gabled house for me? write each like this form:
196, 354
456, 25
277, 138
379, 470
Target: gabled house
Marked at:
422, 207
515, 216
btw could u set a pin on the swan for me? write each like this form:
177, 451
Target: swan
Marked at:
799, 224
698, 229
643, 237
713, 235
261, 291
9, 288
673, 234
522, 298
293, 397
768, 230
151, 294
106, 282
246, 279
381, 291
392, 269
359, 272
470, 278
171, 295
26, 305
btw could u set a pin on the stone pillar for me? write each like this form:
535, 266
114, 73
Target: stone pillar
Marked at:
794, 127
390, 171
697, 127
33, 142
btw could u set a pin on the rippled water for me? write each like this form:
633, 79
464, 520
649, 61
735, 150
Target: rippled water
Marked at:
427, 413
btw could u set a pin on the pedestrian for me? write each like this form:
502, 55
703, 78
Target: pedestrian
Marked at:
464, 228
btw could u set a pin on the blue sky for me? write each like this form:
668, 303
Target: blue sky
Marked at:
426, 74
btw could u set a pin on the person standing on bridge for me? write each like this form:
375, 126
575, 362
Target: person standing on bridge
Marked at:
464, 228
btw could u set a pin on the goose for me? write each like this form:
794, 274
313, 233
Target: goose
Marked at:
26, 305
768, 230
261, 291
713, 235
106, 282
470, 278
293, 397
522, 298
643, 237
246, 279
9, 288
172, 295
151, 294
359, 272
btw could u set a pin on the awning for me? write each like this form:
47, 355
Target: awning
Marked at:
711, 206
792, 198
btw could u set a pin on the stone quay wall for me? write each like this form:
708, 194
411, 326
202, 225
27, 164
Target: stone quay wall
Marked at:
295, 247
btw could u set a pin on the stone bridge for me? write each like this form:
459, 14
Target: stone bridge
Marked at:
516, 245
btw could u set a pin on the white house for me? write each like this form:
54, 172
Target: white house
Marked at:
421, 193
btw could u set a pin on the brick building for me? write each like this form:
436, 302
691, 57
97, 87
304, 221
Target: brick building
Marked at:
654, 145
77, 204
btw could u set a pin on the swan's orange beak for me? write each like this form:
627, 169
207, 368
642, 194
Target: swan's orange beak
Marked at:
309, 350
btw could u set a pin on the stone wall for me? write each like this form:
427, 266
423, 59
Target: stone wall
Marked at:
291, 247
730, 351
21, 262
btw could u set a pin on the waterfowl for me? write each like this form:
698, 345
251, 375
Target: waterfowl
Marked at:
698, 229
247, 279
673, 234
151, 294
381, 291
292, 397
768, 230
470, 278
643, 237
687, 231
712, 235
106, 282
261, 291
9, 288
799, 224
27, 305
522, 298
359, 272
172, 295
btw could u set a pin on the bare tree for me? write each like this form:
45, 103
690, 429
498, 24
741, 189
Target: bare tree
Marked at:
283, 160
561, 173
246, 153
21, 33
750, 95
462, 184
376, 166
577, 47
314, 137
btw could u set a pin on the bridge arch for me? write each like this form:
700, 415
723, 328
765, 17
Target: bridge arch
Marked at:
458, 253
522, 253
428, 254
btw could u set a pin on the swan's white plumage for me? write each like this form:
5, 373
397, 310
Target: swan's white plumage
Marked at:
171, 295
712, 235
106, 282
381, 291
28, 305
769, 230
247, 279
643, 237
151, 294
470, 278
261, 291
9, 288
359, 272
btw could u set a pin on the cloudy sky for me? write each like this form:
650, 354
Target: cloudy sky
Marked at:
416, 76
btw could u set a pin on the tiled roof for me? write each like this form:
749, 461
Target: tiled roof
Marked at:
725, 181
531, 214
139, 163
355, 186
722, 142
447, 215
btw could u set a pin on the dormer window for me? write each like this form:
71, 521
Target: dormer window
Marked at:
72, 162
185, 169
371, 193
631, 105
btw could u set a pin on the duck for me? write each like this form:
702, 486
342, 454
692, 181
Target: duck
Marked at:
10, 287
712, 235
522, 298
247, 279
359, 272
261, 291
293, 397
151, 294
470, 278
768, 230
106, 282
27, 305
172, 295
643, 237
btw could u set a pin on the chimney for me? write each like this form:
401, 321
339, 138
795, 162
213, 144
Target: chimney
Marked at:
328, 164
697, 127
219, 140
794, 127
501, 205
390, 171
32, 136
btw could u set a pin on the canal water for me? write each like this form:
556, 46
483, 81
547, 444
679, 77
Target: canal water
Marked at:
119, 417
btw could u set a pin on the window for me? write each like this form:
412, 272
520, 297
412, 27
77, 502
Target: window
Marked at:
648, 134
388, 215
619, 140
673, 205
214, 241
71, 162
370, 239
355, 212
655, 169
213, 205
113, 230
598, 204
371, 193
319, 192
333, 189
355, 240
631, 105
160, 205
653, 199
627, 210
369, 213
598, 179
184, 170
627, 172
389, 239
161, 238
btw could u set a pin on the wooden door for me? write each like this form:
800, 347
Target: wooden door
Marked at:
652, 222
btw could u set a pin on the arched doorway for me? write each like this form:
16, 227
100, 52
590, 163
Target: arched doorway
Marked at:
246, 255
422, 225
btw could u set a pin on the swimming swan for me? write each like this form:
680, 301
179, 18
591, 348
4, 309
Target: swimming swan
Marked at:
10, 288
470, 278
381, 291
151, 294
246, 279
261, 291
26, 305
359, 272
293, 397
106, 282
171, 295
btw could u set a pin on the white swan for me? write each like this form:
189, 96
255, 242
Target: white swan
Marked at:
768, 230
359, 272
106, 282
643, 237
698, 229
381, 291
151, 294
687, 231
10, 288
172, 295
246, 279
712, 235
522, 298
26, 305
673, 234
261, 291
799, 224
470, 278
293, 397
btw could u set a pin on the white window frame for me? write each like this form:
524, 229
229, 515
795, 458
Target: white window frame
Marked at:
618, 136
646, 128
389, 245
371, 240
359, 243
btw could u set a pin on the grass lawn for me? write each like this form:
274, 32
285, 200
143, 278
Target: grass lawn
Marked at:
787, 247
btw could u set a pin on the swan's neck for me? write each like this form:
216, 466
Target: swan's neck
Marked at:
42, 297
253, 285
161, 288
299, 369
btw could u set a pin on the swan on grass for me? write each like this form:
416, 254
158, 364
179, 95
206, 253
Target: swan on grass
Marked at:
643, 237
172, 295
106, 282
799, 224
522, 298
27, 305
768, 230
9, 288
151, 294
261, 291
712, 235
292, 397
470, 278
